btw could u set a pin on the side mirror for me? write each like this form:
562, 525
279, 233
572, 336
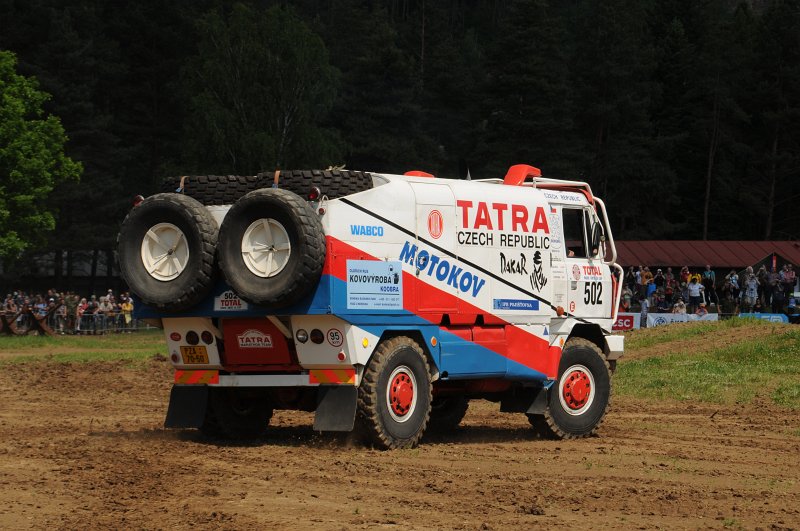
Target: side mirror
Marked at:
597, 239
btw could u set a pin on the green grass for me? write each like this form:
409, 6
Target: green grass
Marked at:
679, 332
768, 367
131, 347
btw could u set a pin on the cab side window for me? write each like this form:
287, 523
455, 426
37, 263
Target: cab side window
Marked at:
574, 232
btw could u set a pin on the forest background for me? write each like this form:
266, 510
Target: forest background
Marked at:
684, 115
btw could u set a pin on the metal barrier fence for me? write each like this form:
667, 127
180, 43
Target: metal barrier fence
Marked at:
92, 324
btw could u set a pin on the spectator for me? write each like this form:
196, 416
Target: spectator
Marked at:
127, 310
645, 302
733, 278
105, 313
684, 277
630, 279
659, 280
709, 281
788, 279
701, 310
749, 292
695, 294
763, 283
778, 298
669, 276
679, 307
662, 306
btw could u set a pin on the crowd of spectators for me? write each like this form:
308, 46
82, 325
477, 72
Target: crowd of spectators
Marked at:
700, 291
70, 313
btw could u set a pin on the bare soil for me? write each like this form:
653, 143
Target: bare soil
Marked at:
82, 446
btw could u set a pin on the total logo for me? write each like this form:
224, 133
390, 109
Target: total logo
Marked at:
254, 339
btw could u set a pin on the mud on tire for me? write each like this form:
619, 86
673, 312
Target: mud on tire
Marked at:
166, 251
578, 401
394, 398
271, 247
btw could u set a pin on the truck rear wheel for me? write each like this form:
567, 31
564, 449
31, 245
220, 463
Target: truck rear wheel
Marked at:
579, 399
166, 251
447, 412
271, 247
237, 413
394, 399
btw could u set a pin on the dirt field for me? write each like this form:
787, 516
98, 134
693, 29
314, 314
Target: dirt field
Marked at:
81, 445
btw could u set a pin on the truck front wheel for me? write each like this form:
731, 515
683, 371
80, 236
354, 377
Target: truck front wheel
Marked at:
394, 399
579, 399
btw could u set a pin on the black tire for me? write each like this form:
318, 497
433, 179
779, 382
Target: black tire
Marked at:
239, 413
227, 189
332, 183
289, 216
577, 402
394, 398
447, 412
191, 256
214, 189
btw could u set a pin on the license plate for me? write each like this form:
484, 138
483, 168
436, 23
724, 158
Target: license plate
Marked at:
194, 355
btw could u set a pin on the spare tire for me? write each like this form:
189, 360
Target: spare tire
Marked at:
226, 189
271, 247
213, 189
166, 251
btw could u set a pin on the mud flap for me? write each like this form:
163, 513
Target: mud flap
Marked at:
532, 401
187, 406
336, 408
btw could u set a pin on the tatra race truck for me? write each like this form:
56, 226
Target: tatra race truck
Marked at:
383, 303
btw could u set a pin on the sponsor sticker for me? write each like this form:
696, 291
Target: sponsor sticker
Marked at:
435, 224
576, 272
253, 338
374, 285
530, 305
228, 301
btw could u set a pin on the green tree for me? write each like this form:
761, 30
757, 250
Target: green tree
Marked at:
528, 101
32, 161
259, 88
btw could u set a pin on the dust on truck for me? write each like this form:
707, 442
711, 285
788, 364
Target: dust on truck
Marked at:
383, 303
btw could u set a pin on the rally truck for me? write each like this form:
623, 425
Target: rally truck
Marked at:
383, 303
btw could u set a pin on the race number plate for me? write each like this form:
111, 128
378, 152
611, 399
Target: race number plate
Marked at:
194, 355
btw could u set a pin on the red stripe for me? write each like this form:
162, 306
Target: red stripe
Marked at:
521, 346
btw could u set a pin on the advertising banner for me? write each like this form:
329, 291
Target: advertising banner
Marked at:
627, 321
772, 317
659, 319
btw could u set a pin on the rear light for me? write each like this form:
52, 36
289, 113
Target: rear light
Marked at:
207, 337
301, 335
137, 200
175, 336
314, 193
174, 358
317, 336
192, 338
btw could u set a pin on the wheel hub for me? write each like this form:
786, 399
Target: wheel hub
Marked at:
576, 389
401, 394
266, 247
164, 251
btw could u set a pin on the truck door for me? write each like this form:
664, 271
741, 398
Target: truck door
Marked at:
589, 292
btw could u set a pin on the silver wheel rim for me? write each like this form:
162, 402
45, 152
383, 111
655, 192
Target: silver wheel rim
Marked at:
266, 247
165, 252
563, 381
407, 372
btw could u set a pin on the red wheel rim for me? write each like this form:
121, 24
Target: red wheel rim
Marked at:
576, 389
401, 393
